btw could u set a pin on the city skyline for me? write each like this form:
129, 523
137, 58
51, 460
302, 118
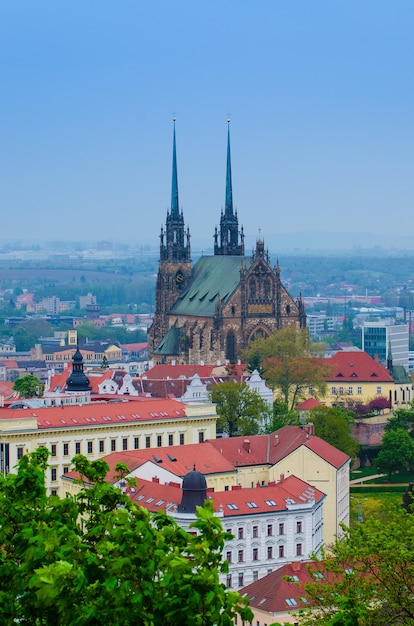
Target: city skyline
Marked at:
320, 97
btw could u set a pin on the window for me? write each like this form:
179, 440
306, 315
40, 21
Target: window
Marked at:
53, 449
101, 446
281, 529
359, 390
201, 437
269, 530
341, 391
170, 440
113, 445
333, 391
77, 447
19, 452
148, 441
136, 443
65, 469
241, 556
379, 389
53, 492
255, 532
181, 439
298, 549
241, 579
281, 552
53, 473
125, 444
228, 556
90, 447
228, 581
255, 575
255, 554
240, 533
65, 449
159, 441
310, 391
269, 552
291, 602
298, 527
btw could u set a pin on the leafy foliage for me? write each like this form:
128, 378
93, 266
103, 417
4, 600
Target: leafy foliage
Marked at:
403, 418
280, 416
28, 386
397, 452
368, 576
291, 364
334, 426
99, 558
240, 409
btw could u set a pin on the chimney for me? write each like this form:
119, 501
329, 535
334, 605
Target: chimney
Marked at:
309, 429
246, 445
296, 566
236, 487
276, 440
155, 479
271, 483
282, 478
210, 489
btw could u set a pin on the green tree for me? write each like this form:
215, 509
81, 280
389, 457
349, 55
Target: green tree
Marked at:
280, 416
99, 558
292, 364
402, 418
240, 409
397, 452
29, 386
333, 425
367, 577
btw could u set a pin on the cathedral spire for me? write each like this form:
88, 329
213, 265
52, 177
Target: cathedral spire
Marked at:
174, 186
228, 210
229, 224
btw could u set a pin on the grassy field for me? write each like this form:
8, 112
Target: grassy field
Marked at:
374, 503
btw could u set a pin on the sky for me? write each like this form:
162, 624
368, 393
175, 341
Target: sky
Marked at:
320, 95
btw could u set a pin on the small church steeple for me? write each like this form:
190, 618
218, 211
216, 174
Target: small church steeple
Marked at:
229, 223
175, 241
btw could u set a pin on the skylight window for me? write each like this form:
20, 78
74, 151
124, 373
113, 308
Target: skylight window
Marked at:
232, 507
149, 500
262, 601
252, 505
271, 503
159, 502
291, 602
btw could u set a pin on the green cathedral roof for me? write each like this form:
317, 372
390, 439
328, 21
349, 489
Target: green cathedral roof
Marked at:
170, 344
213, 277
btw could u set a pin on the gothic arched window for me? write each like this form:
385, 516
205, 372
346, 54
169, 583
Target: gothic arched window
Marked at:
231, 346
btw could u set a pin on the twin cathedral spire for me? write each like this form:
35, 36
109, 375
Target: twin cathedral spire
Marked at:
175, 240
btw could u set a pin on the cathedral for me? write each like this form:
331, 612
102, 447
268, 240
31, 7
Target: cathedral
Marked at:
210, 311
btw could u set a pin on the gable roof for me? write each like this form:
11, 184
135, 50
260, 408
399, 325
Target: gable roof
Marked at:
271, 449
213, 277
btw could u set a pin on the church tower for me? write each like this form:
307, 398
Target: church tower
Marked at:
174, 269
229, 223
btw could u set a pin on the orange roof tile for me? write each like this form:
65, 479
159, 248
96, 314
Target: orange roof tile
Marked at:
357, 366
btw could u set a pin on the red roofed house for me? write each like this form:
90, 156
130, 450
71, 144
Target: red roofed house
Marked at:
294, 450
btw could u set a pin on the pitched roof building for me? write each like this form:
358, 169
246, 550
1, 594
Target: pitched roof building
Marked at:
210, 311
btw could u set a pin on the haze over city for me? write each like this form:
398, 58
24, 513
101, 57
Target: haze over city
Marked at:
320, 97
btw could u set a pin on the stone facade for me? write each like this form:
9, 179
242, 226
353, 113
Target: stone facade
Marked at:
212, 310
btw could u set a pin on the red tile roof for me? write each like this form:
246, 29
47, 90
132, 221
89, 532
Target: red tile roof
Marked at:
308, 404
161, 372
270, 449
357, 366
139, 410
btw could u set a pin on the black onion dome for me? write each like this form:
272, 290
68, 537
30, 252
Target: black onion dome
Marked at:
77, 379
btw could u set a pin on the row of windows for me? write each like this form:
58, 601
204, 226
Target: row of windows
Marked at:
269, 549
270, 530
113, 445
350, 390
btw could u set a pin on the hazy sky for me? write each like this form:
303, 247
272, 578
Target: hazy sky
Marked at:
320, 95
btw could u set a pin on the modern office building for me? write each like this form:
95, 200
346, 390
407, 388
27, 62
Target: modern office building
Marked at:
385, 340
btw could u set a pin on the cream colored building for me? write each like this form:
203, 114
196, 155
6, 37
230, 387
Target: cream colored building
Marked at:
296, 451
100, 428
